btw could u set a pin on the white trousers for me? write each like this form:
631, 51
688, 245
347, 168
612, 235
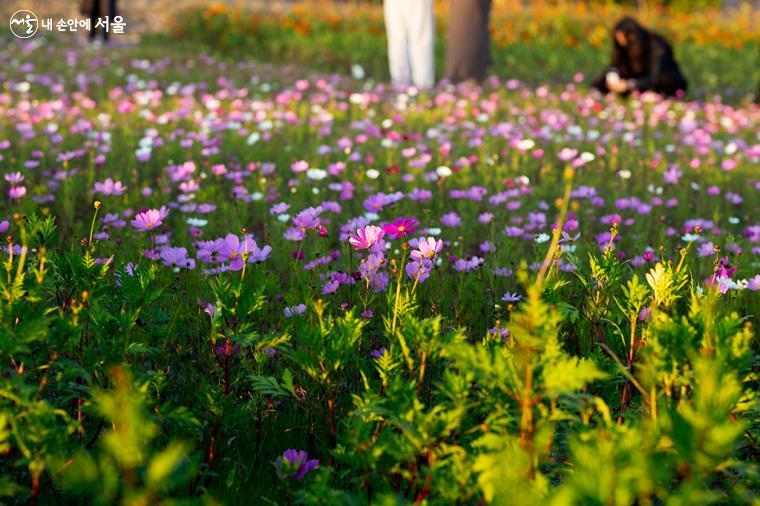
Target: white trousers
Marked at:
409, 25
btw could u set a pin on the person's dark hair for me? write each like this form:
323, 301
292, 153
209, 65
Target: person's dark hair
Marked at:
633, 55
644, 59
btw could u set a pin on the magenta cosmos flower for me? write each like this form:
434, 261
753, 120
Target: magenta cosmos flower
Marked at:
401, 227
366, 237
150, 219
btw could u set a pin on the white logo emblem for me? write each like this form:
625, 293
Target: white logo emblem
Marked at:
24, 24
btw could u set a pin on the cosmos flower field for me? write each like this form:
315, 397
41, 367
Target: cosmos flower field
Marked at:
231, 283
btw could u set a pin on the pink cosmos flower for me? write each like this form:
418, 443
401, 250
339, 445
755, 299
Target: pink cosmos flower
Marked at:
109, 187
150, 219
14, 177
16, 192
367, 237
567, 154
401, 227
299, 166
427, 248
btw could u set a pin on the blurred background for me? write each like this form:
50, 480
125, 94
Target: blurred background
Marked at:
717, 42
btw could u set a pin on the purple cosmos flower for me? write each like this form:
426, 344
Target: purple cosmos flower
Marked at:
330, 287
468, 264
150, 219
511, 297
292, 311
279, 208
706, 249
294, 464
451, 220
672, 175
499, 333
308, 218
177, 257
419, 271
236, 251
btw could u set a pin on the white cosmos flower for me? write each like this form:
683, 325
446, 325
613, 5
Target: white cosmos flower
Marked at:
316, 174
526, 144
542, 238
253, 138
371, 216
373, 173
625, 174
357, 72
434, 231
733, 220
197, 222
443, 171
587, 157
284, 218
256, 196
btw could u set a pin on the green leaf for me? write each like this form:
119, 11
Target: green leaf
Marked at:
163, 465
569, 374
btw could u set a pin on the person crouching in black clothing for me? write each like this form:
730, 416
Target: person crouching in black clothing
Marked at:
641, 61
